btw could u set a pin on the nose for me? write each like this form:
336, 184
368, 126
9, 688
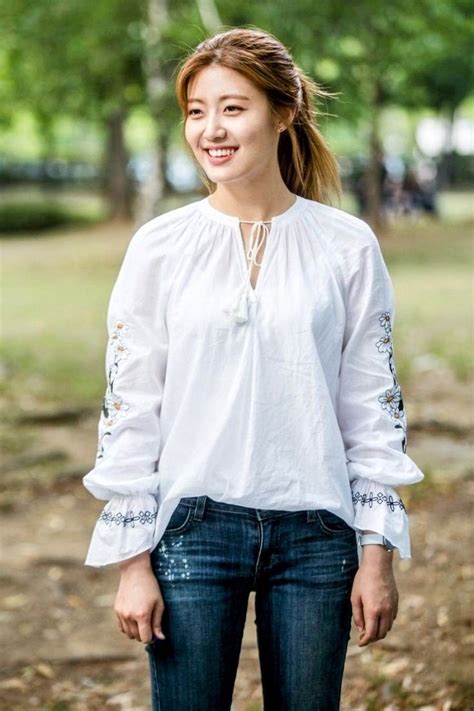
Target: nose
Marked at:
213, 128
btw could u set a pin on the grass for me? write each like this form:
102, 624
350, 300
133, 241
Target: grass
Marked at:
431, 268
56, 288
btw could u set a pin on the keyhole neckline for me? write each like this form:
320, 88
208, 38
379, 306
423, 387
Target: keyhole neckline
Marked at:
223, 217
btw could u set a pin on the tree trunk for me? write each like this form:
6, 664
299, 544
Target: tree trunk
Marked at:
209, 14
117, 187
375, 171
153, 188
156, 186
446, 163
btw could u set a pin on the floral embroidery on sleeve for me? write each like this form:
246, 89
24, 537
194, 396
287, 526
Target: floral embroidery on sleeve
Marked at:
120, 519
378, 498
113, 406
391, 400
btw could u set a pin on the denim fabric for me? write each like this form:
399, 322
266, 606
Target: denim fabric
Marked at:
301, 566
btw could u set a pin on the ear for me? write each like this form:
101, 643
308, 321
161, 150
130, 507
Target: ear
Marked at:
291, 117
285, 119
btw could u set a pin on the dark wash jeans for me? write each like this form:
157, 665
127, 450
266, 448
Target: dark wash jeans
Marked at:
301, 566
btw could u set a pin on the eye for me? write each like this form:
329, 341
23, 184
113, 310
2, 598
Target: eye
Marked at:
191, 112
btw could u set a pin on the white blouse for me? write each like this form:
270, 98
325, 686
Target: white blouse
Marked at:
281, 397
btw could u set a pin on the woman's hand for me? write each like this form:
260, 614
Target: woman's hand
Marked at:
374, 595
139, 604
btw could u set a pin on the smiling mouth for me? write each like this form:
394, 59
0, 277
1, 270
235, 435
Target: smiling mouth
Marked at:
221, 152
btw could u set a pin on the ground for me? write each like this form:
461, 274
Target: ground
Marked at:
62, 646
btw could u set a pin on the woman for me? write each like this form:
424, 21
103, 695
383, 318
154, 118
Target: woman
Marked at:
253, 423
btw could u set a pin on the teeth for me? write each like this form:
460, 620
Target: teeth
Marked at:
221, 152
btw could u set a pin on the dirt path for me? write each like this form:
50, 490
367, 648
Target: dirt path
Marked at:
61, 649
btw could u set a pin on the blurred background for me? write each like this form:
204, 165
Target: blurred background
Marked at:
90, 148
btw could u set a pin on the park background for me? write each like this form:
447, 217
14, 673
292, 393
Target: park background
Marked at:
91, 147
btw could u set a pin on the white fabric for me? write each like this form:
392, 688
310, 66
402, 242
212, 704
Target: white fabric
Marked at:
281, 397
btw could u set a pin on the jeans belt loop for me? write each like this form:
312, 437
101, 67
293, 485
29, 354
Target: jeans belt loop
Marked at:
200, 508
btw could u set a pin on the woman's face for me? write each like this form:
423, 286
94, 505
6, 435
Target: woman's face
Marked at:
227, 111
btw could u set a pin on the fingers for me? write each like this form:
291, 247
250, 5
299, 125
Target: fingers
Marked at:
120, 625
156, 620
358, 612
144, 630
139, 606
395, 609
129, 627
142, 627
384, 626
369, 634
134, 629
378, 624
134, 626
374, 613
138, 628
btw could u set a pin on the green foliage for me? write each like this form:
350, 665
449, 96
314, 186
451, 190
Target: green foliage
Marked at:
27, 217
86, 59
84, 63
384, 53
81, 57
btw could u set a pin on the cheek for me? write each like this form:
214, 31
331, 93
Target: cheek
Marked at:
249, 132
190, 134
256, 136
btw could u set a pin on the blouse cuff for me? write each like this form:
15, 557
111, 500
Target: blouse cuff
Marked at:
379, 508
124, 529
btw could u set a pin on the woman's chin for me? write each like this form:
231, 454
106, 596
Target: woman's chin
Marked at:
217, 176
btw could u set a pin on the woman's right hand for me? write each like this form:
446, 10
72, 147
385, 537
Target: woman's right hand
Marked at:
139, 604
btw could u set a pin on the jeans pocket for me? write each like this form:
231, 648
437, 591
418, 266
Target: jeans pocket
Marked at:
181, 519
332, 524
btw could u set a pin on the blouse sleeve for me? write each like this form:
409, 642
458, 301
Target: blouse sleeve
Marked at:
370, 406
129, 438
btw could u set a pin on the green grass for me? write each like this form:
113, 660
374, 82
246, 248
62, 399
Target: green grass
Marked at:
431, 269
433, 317
56, 289
54, 331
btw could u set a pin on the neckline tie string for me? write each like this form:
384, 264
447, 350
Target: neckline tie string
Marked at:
240, 311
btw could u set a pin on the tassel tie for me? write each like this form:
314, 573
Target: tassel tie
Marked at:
240, 311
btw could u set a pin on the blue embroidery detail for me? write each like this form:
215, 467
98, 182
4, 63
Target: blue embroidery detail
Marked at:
379, 498
392, 400
113, 406
129, 517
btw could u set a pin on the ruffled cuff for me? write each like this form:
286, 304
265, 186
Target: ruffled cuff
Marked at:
124, 529
379, 508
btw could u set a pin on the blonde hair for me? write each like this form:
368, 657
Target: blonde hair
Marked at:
307, 165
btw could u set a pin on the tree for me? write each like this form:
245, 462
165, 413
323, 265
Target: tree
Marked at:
375, 54
82, 59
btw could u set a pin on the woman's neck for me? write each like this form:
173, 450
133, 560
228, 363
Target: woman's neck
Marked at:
251, 205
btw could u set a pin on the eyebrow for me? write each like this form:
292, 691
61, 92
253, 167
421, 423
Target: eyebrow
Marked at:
225, 96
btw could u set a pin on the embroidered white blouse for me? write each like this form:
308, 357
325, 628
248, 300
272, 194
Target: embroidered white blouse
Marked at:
283, 396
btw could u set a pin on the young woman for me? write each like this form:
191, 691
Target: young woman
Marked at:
253, 426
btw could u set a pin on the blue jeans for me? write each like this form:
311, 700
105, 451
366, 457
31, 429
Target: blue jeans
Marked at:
301, 566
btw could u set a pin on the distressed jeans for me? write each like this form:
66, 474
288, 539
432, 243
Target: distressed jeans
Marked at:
301, 566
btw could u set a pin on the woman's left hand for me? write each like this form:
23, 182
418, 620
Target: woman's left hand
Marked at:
374, 596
